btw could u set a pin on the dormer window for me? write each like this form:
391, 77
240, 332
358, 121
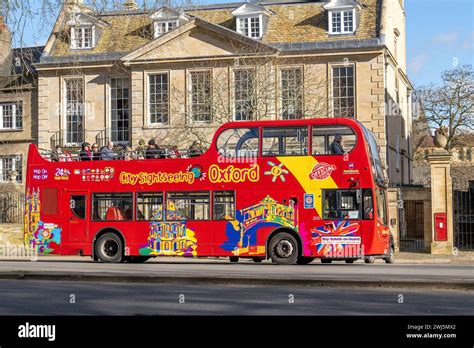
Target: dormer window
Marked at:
167, 19
250, 26
85, 30
251, 20
342, 15
162, 27
82, 37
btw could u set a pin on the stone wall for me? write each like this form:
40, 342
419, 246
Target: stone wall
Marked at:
11, 234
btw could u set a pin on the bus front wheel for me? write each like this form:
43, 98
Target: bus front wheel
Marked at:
109, 248
284, 249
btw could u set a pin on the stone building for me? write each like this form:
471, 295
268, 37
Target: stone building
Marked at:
18, 105
177, 74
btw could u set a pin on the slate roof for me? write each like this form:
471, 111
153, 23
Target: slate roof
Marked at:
18, 70
293, 22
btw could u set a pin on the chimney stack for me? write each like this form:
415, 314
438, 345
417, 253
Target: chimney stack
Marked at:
130, 5
5, 41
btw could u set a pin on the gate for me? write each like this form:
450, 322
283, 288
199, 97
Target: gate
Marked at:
463, 208
412, 237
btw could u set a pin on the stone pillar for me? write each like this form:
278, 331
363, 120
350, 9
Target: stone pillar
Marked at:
441, 199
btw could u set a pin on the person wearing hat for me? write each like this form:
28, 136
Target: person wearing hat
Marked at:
336, 145
85, 154
153, 151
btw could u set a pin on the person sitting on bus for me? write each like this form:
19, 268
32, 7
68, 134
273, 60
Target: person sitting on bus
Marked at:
107, 153
336, 145
95, 152
153, 151
57, 154
195, 149
85, 154
174, 152
140, 149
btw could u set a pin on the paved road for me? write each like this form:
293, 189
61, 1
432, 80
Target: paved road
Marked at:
201, 270
29, 297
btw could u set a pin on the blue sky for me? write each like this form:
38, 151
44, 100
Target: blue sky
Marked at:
440, 34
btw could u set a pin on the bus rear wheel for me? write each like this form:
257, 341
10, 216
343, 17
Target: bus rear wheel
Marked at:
304, 260
109, 248
283, 249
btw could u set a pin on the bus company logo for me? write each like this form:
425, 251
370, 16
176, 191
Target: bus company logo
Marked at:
322, 171
146, 178
197, 172
232, 174
61, 174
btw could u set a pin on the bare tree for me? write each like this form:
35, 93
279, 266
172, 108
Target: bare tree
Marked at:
452, 104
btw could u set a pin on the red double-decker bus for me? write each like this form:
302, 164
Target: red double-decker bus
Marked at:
291, 191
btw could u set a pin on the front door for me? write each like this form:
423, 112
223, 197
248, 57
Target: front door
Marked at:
77, 217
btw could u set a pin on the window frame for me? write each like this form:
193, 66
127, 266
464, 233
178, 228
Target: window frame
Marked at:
354, 88
163, 204
280, 89
308, 129
15, 116
338, 201
85, 206
190, 95
187, 192
149, 74
239, 128
15, 166
168, 26
82, 108
247, 28
74, 40
253, 73
341, 14
214, 204
111, 194
111, 109
326, 136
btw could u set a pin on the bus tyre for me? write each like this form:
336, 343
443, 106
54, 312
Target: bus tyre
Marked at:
391, 255
305, 260
369, 259
284, 249
234, 259
109, 248
326, 261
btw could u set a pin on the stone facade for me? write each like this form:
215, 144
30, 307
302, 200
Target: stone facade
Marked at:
296, 36
18, 86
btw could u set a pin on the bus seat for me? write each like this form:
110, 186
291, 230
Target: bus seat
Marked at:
114, 213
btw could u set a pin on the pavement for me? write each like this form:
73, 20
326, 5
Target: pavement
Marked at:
402, 274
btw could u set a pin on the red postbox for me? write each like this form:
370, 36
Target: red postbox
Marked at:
441, 229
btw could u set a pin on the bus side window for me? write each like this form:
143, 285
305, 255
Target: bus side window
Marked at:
368, 204
341, 204
224, 205
78, 206
150, 206
324, 140
112, 206
288, 141
238, 142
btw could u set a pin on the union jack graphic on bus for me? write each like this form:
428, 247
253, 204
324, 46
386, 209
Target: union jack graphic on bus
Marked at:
328, 239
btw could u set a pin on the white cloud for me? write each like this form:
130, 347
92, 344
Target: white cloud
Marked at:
446, 38
417, 63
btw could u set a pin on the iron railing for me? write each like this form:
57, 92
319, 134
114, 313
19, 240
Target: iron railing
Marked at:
11, 207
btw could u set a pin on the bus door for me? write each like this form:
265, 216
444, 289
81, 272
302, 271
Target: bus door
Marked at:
77, 216
340, 228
